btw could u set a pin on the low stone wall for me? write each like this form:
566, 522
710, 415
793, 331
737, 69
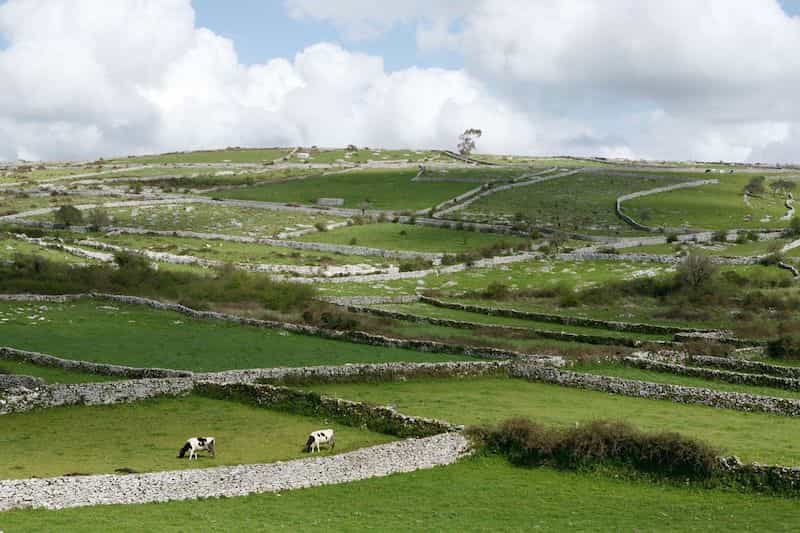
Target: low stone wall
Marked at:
356, 414
739, 378
18, 381
75, 365
348, 373
560, 319
762, 478
651, 258
101, 393
230, 481
639, 194
371, 300
743, 365
658, 391
462, 324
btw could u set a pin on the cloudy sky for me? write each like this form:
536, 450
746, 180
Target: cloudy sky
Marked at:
684, 79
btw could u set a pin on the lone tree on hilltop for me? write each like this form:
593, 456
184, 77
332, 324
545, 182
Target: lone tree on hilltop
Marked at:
467, 141
68, 215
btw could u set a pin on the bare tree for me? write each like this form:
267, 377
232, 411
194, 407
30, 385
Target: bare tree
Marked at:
696, 271
467, 141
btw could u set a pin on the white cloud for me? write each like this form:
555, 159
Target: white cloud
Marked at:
682, 79
83, 78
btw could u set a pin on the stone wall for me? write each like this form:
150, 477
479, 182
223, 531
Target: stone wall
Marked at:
658, 391
541, 333
639, 194
371, 300
559, 319
357, 372
356, 414
17, 381
739, 378
104, 369
101, 393
743, 365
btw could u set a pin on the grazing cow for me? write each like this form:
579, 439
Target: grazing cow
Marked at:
322, 436
198, 444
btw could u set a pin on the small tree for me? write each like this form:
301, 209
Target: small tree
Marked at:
794, 227
467, 141
97, 218
68, 215
782, 186
756, 186
696, 271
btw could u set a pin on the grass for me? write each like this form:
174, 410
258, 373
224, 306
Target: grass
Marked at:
51, 374
537, 273
10, 248
415, 238
217, 219
230, 251
715, 207
582, 202
477, 494
377, 189
455, 314
237, 155
473, 175
362, 155
752, 436
100, 439
143, 337
611, 369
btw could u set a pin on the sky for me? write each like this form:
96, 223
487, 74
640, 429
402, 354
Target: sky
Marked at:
680, 80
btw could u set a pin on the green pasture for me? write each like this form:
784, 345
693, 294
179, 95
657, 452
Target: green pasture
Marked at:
719, 206
235, 155
477, 494
371, 189
230, 251
752, 436
217, 219
101, 439
474, 175
414, 238
422, 309
11, 248
362, 155
139, 336
582, 202
50, 374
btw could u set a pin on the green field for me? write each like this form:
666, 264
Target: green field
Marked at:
752, 436
238, 252
422, 309
362, 155
11, 248
715, 207
415, 238
143, 337
477, 494
374, 189
522, 275
474, 175
100, 439
217, 219
240, 155
50, 374
582, 202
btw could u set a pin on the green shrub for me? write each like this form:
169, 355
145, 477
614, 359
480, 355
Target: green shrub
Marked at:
719, 236
320, 226
417, 263
496, 291
793, 230
97, 218
672, 237
784, 347
68, 215
601, 442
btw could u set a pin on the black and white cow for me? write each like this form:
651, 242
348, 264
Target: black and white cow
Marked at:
197, 444
321, 436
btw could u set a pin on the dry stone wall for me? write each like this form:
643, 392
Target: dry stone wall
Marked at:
559, 319
658, 391
40, 359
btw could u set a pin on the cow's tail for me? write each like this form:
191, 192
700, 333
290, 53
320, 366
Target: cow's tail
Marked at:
309, 442
186, 448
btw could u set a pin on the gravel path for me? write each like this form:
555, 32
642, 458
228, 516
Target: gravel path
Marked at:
376, 461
